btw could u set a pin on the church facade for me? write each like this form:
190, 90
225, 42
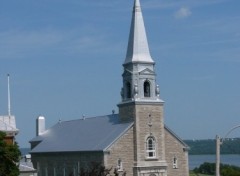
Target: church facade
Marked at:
135, 142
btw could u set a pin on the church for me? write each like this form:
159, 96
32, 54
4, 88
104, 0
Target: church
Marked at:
134, 142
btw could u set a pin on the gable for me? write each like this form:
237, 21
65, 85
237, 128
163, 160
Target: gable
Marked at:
146, 71
178, 139
121, 136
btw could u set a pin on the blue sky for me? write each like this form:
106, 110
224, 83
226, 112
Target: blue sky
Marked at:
65, 60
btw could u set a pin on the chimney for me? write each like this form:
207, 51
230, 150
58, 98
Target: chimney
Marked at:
40, 125
27, 158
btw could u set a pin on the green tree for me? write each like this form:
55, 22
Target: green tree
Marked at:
205, 168
225, 169
229, 170
9, 157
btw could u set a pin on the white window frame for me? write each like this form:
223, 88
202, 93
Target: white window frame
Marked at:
175, 162
119, 165
151, 148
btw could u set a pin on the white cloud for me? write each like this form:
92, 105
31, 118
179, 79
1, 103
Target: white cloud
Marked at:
183, 12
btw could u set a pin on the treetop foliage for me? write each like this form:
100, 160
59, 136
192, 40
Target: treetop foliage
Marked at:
9, 157
225, 169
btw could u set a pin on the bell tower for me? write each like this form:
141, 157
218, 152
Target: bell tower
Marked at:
141, 102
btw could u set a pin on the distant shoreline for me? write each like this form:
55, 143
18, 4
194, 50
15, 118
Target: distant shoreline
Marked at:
208, 146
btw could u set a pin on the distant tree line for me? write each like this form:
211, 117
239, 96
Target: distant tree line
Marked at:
225, 169
208, 146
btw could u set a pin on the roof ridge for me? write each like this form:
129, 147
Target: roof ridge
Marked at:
119, 136
87, 118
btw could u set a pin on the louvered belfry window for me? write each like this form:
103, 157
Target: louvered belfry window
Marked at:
128, 90
146, 87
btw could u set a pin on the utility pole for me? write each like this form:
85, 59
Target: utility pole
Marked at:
218, 144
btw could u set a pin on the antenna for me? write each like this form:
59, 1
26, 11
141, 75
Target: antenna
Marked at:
9, 103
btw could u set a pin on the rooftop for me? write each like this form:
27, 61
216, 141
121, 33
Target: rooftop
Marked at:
88, 134
8, 124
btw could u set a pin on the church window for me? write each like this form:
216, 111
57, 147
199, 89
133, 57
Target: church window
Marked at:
128, 90
119, 165
152, 175
175, 163
146, 87
151, 148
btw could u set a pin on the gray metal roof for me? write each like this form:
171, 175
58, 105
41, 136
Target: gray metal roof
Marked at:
89, 134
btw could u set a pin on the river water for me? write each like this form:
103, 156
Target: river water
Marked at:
197, 160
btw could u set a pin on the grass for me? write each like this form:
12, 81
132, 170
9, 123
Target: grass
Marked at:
193, 174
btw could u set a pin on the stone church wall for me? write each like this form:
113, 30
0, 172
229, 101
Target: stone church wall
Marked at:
175, 149
64, 163
143, 130
123, 150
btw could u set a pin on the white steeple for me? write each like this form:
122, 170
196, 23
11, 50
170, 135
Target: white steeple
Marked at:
141, 102
139, 77
138, 50
8, 122
9, 99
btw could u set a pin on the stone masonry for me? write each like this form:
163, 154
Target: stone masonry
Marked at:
122, 149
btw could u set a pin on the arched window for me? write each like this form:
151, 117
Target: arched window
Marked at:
152, 175
146, 87
128, 90
119, 165
175, 162
151, 147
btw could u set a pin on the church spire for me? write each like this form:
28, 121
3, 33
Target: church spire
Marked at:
138, 50
9, 99
139, 77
